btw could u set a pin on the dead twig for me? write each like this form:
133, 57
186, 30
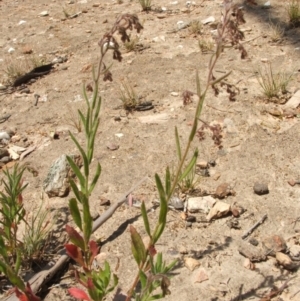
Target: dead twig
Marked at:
248, 232
44, 276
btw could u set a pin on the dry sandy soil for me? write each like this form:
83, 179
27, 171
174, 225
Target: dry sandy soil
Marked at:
257, 146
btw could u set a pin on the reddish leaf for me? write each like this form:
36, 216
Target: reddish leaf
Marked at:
78, 294
21, 296
152, 251
90, 284
75, 237
75, 253
94, 249
28, 295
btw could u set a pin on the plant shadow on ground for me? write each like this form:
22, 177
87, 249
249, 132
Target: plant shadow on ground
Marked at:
268, 284
211, 249
122, 228
270, 16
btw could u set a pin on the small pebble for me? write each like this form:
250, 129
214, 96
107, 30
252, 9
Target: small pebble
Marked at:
191, 263
253, 241
176, 203
261, 188
44, 13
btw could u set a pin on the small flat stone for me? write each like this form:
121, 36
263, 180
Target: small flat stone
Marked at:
3, 152
191, 263
274, 244
253, 241
44, 13
285, 261
176, 203
208, 20
197, 204
261, 188
294, 101
200, 275
202, 164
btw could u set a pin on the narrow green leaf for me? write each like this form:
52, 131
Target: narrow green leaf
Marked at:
198, 83
77, 172
83, 154
87, 219
137, 245
158, 264
159, 186
84, 122
178, 147
168, 268
116, 280
145, 218
2, 248
158, 232
194, 129
75, 213
221, 78
143, 279
95, 180
97, 112
18, 261
168, 182
190, 166
2, 267
85, 96
92, 141
75, 190
15, 279
155, 297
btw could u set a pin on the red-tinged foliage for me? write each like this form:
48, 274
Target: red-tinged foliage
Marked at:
75, 237
90, 284
94, 248
78, 294
152, 251
28, 295
75, 253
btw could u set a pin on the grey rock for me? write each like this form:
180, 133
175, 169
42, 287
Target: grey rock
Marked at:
253, 241
295, 251
176, 203
261, 188
3, 153
4, 135
5, 159
57, 180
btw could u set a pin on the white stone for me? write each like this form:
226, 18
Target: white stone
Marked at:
294, 101
175, 94
11, 50
208, 20
44, 13
119, 135
181, 24
191, 263
4, 135
21, 22
204, 204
